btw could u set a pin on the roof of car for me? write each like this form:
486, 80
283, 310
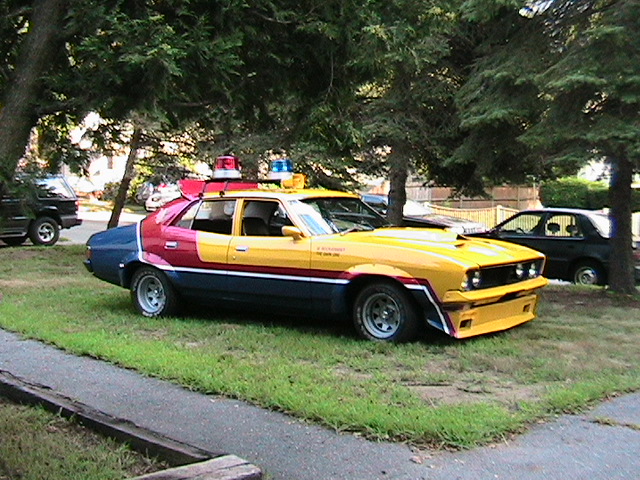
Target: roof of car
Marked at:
583, 211
283, 194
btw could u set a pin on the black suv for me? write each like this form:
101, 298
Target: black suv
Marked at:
54, 207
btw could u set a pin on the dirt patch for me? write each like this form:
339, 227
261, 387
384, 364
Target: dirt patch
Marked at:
16, 283
509, 395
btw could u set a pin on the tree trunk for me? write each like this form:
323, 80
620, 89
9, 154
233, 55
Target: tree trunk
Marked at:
129, 171
621, 266
18, 115
398, 172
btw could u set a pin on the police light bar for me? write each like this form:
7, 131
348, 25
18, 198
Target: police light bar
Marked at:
281, 169
227, 166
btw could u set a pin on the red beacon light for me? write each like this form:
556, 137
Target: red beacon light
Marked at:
227, 166
281, 169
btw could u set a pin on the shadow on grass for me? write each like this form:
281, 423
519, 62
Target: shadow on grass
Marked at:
239, 315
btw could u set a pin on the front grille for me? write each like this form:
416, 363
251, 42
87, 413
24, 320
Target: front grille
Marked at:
505, 274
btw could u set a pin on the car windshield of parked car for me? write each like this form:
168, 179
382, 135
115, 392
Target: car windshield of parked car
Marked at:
325, 216
602, 224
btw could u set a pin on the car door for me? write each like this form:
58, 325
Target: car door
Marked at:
195, 248
563, 241
13, 216
265, 267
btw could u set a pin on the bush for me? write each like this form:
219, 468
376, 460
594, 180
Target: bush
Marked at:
579, 193
110, 191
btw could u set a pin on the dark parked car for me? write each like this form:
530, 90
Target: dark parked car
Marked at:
415, 215
53, 207
575, 242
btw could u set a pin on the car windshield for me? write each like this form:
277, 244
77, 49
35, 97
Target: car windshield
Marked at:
327, 215
602, 224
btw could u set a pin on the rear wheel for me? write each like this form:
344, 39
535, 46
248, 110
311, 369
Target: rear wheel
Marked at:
44, 231
385, 312
14, 241
152, 293
588, 273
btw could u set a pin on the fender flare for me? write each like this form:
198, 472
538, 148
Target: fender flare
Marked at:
421, 291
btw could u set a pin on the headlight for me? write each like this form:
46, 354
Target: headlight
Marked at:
533, 270
471, 280
476, 279
519, 271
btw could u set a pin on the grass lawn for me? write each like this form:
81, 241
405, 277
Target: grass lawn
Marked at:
436, 392
37, 445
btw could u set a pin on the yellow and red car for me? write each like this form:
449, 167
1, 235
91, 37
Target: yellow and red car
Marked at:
318, 252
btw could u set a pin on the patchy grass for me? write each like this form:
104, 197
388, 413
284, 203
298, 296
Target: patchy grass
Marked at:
37, 445
436, 392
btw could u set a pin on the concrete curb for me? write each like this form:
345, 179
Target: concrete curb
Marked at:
201, 463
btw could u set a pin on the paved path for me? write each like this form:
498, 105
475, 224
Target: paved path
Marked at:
603, 444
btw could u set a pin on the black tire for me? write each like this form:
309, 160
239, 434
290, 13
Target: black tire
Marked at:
152, 293
588, 273
14, 241
385, 312
44, 231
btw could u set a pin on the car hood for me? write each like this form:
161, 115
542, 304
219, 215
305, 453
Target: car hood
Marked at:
448, 221
459, 249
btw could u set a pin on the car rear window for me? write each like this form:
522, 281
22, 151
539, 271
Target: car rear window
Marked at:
55, 187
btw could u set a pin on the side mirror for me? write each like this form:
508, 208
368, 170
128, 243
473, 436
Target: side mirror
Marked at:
293, 232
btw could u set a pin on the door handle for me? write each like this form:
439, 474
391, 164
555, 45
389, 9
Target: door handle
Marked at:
171, 245
241, 248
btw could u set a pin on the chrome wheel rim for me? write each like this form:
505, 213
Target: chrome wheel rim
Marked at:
381, 315
151, 295
46, 232
586, 276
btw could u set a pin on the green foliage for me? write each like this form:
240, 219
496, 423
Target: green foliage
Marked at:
572, 192
579, 193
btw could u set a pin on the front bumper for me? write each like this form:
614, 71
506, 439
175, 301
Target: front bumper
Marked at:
478, 320
477, 312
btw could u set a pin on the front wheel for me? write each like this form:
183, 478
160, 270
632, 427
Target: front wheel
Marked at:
385, 312
588, 273
44, 231
152, 293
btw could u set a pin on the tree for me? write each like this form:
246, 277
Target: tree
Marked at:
403, 103
551, 92
19, 107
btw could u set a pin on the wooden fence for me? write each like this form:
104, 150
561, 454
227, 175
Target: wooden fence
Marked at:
487, 216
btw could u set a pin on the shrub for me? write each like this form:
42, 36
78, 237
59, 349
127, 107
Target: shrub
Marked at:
579, 193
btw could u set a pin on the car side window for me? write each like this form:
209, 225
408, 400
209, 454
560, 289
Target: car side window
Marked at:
263, 218
562, 225
187, 217
525, 224
215, 216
